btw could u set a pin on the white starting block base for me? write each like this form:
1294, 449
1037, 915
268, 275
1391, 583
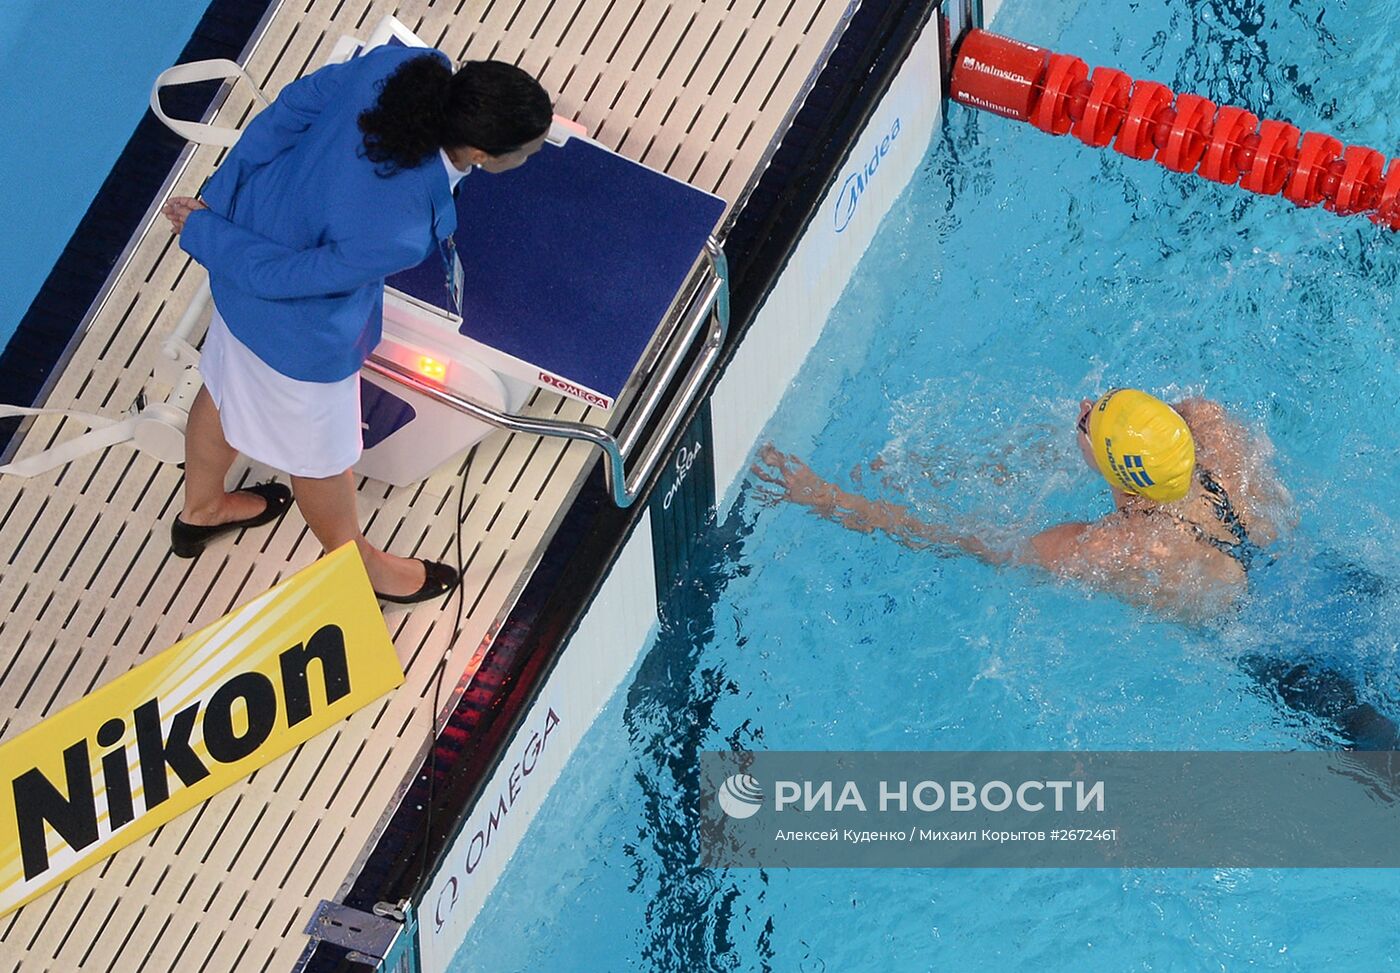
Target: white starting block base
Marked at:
408, 435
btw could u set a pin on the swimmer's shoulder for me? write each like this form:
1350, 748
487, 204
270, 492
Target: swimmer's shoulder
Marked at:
1241, 461
1056, 546
1121, 544
1214, 429
1078, 549
1223, 444
1145, 560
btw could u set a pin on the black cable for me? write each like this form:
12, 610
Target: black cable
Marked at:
437, 683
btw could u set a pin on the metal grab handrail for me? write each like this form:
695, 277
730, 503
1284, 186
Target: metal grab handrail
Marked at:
624, 486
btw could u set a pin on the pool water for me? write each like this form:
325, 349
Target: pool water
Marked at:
76, 77
1017, 275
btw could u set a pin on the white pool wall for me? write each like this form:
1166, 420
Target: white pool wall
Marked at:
593, 664
787, 326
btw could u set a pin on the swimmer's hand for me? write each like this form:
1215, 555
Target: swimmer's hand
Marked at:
178, 208
792, 478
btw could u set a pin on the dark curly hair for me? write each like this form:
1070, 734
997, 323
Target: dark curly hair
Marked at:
423, 106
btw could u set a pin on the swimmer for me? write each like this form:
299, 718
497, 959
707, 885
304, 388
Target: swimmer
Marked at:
1195, 502
1189, 522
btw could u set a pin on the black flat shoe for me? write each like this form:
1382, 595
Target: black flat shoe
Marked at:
439, 581
188, 540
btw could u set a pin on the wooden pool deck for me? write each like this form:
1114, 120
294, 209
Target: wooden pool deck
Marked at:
700, 89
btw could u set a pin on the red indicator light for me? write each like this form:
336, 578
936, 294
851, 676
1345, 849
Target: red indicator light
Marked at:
432, 368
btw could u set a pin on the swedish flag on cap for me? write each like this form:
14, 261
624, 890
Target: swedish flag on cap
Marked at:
1141, 445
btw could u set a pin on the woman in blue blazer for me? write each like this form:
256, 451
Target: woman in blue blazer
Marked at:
345, 179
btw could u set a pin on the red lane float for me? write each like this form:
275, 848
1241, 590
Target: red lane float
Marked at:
1305, 186
1000, 75
1275, 155
1232, 145
1388, 208
1359, 183
1051, 112
1104, 107
1136, 139
1189, 134
1184, 132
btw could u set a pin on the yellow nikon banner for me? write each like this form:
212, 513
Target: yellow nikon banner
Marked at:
175, 730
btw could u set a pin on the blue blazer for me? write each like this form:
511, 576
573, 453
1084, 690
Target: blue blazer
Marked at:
301, 230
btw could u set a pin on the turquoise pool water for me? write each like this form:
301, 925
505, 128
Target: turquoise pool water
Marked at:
76, 77
1018, 274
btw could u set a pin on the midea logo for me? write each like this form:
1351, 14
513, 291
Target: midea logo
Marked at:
855, 185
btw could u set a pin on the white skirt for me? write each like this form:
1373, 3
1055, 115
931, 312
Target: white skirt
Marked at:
309, 429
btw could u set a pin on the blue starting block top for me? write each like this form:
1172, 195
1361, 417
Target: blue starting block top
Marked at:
571, 261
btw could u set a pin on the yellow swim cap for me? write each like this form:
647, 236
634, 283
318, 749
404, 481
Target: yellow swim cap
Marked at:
1142, 445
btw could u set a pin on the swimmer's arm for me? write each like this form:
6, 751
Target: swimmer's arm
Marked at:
1073, 550
855, 512
865, 515
1062, 549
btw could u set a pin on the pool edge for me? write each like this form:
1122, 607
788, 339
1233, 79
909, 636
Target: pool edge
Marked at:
572, 640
